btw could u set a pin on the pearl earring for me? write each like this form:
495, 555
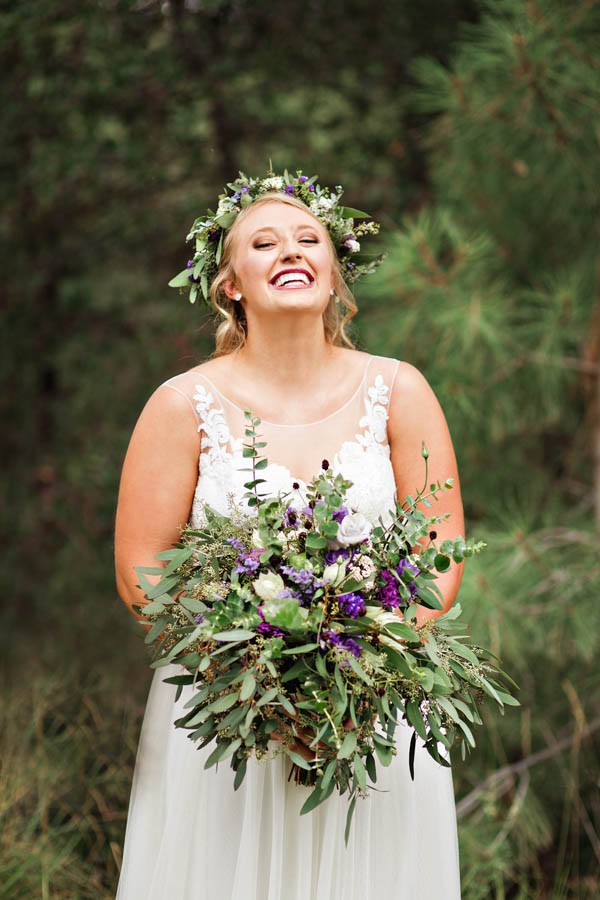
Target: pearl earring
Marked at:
237, 296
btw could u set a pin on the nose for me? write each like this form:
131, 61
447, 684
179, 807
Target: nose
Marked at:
290, 250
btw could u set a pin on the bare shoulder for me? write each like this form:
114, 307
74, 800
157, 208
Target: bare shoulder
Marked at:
410, 387
414, 406
410, 380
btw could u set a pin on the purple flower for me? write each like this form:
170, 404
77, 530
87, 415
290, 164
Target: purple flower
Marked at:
352, 605
388, 594
289, 189
336, 639
333, 556
247, 563
236, 544
190, 263
298, 576
243, 190
340, 514
405, 566
290, 517
199, 618
214, 236
311, 187
266, 628
302, 178
193, 279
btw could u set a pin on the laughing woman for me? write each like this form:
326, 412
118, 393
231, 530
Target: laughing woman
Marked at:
276, 262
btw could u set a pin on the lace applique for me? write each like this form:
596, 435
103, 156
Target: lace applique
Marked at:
376, 416
365, 461
213, 424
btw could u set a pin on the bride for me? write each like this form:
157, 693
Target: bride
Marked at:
276, 260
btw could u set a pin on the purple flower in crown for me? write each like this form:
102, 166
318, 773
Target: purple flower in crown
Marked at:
352, 605
194, 279
214, 236
238, 194
190, 263
289, 189
301, 179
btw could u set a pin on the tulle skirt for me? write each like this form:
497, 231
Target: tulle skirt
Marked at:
190, 836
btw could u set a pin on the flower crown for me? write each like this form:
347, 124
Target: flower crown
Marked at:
209, 231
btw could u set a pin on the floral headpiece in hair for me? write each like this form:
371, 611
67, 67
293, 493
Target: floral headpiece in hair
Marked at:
344, 225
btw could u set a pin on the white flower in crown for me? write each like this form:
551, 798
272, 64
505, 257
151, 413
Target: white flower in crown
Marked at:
327, 202
225, 206
274, 184
352, 244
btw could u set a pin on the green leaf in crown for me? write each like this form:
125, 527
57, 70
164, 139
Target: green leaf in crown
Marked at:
345, 225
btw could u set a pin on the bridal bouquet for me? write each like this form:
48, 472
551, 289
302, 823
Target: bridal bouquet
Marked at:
300, 619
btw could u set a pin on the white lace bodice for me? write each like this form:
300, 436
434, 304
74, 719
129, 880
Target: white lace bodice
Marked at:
353, 439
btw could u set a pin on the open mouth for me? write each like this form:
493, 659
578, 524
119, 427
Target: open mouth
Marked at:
292, 279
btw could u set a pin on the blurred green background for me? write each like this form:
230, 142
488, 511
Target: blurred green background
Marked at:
471, 130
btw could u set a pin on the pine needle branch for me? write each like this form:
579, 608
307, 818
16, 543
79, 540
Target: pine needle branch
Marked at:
502, 779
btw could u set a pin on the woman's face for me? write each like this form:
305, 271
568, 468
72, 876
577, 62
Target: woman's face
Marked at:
282, 259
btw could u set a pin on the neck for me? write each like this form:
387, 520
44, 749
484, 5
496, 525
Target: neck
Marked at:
290, 353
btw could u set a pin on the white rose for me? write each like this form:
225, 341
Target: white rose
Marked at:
354, 529
268, 586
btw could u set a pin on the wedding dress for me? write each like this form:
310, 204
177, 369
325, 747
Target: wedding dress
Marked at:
190, 836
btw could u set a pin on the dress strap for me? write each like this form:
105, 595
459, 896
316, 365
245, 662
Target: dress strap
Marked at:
171, 384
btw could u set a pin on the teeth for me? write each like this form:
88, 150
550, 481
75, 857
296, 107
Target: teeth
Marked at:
290, 278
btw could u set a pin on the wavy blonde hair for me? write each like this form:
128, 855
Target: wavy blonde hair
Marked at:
232, 331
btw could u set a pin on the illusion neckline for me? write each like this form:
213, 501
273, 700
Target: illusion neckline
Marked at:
326, 418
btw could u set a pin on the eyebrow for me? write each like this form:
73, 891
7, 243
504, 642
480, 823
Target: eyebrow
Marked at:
275, 229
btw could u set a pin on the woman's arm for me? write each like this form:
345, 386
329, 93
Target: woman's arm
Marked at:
416, 417
157, 487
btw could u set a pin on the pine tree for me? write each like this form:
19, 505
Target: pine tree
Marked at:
495, 292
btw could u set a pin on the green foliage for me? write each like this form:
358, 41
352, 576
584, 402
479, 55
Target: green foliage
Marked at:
121, 122
67, 758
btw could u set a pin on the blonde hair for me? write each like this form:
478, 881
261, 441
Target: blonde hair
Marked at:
231, 332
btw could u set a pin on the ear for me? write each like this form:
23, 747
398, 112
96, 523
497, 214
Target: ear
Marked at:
230, 289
